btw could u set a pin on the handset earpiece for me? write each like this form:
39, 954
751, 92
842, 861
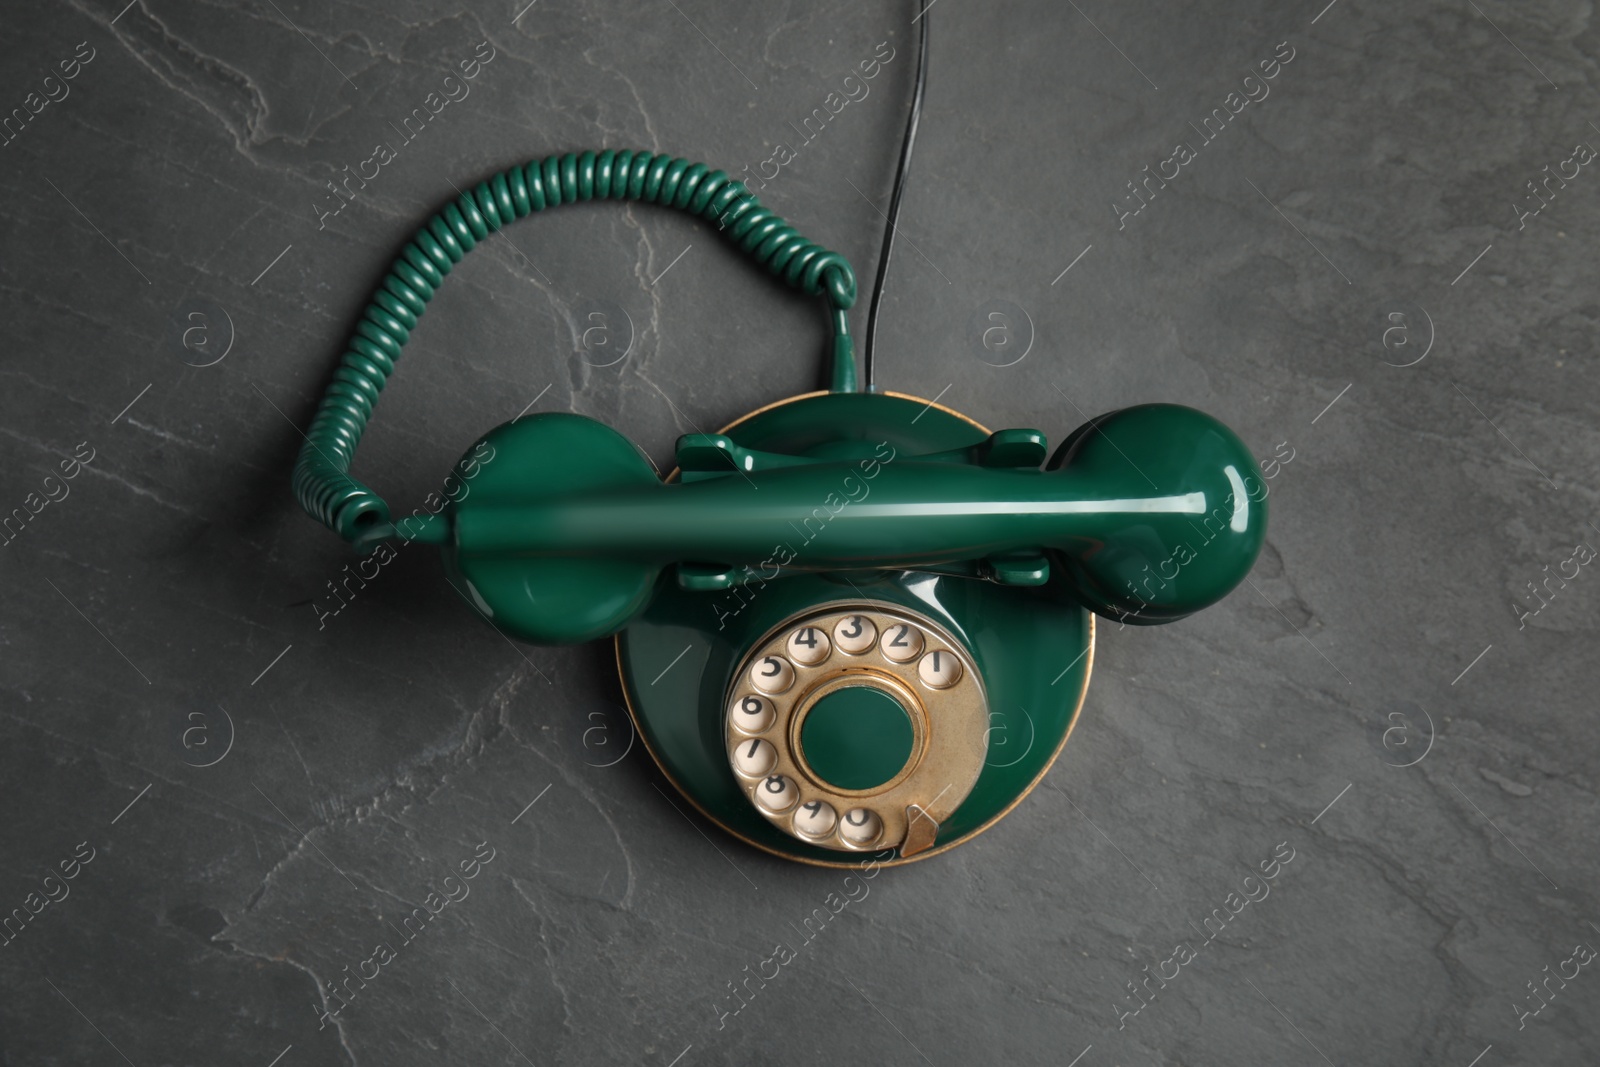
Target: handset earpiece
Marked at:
1160, 565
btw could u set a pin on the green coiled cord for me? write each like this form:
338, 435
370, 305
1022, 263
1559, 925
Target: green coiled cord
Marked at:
322, 480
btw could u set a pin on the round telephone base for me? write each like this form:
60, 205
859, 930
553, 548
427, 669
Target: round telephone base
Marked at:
1033, 648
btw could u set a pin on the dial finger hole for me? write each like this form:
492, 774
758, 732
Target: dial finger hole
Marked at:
754, 758
901, 642
860, 826
772, 674
815, 819
854, 634
776, 793
939, 669
751, 714
808, 646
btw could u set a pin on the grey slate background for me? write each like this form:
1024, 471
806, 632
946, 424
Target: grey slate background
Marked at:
176, 586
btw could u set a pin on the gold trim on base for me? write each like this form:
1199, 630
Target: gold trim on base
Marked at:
633, 716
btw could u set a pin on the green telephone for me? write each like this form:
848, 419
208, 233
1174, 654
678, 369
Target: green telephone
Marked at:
820, 614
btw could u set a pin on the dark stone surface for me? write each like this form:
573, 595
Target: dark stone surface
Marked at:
178, 581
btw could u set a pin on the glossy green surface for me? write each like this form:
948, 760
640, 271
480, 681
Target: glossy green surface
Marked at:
322, 480
556, 597
1149, 513
1031, 644
1151, 568
858, 737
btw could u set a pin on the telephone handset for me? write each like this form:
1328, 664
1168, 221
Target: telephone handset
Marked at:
850, 621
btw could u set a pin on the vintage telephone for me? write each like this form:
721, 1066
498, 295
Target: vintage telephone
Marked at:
851, 621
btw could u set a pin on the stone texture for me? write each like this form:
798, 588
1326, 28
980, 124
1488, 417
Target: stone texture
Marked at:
175, 586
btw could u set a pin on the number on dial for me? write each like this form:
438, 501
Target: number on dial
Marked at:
855, 634
939, 669
808, 645
776, 793
901, 642
752, 714
815, 819
861, 826
772, 674
754, 757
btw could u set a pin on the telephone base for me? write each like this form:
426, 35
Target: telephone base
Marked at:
684, 659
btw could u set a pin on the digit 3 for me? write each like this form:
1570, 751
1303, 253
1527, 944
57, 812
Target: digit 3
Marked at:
855, 634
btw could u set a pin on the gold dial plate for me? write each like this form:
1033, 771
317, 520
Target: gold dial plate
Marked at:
874, 645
